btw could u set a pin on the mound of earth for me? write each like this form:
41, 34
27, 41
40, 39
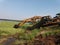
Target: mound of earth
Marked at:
47, 40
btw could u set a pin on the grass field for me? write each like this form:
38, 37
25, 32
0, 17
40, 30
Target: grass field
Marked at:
6, 28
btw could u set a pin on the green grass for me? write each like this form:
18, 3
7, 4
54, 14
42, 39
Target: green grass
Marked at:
6, 28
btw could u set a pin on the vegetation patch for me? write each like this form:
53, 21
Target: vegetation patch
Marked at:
6, 29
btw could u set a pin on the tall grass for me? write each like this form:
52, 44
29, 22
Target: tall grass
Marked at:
6, 28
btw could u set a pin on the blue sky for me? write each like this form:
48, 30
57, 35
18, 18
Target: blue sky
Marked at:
22, 9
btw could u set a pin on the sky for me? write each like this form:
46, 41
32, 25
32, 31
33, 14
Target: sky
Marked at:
22, 9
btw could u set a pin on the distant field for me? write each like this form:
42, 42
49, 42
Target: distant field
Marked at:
7, 26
